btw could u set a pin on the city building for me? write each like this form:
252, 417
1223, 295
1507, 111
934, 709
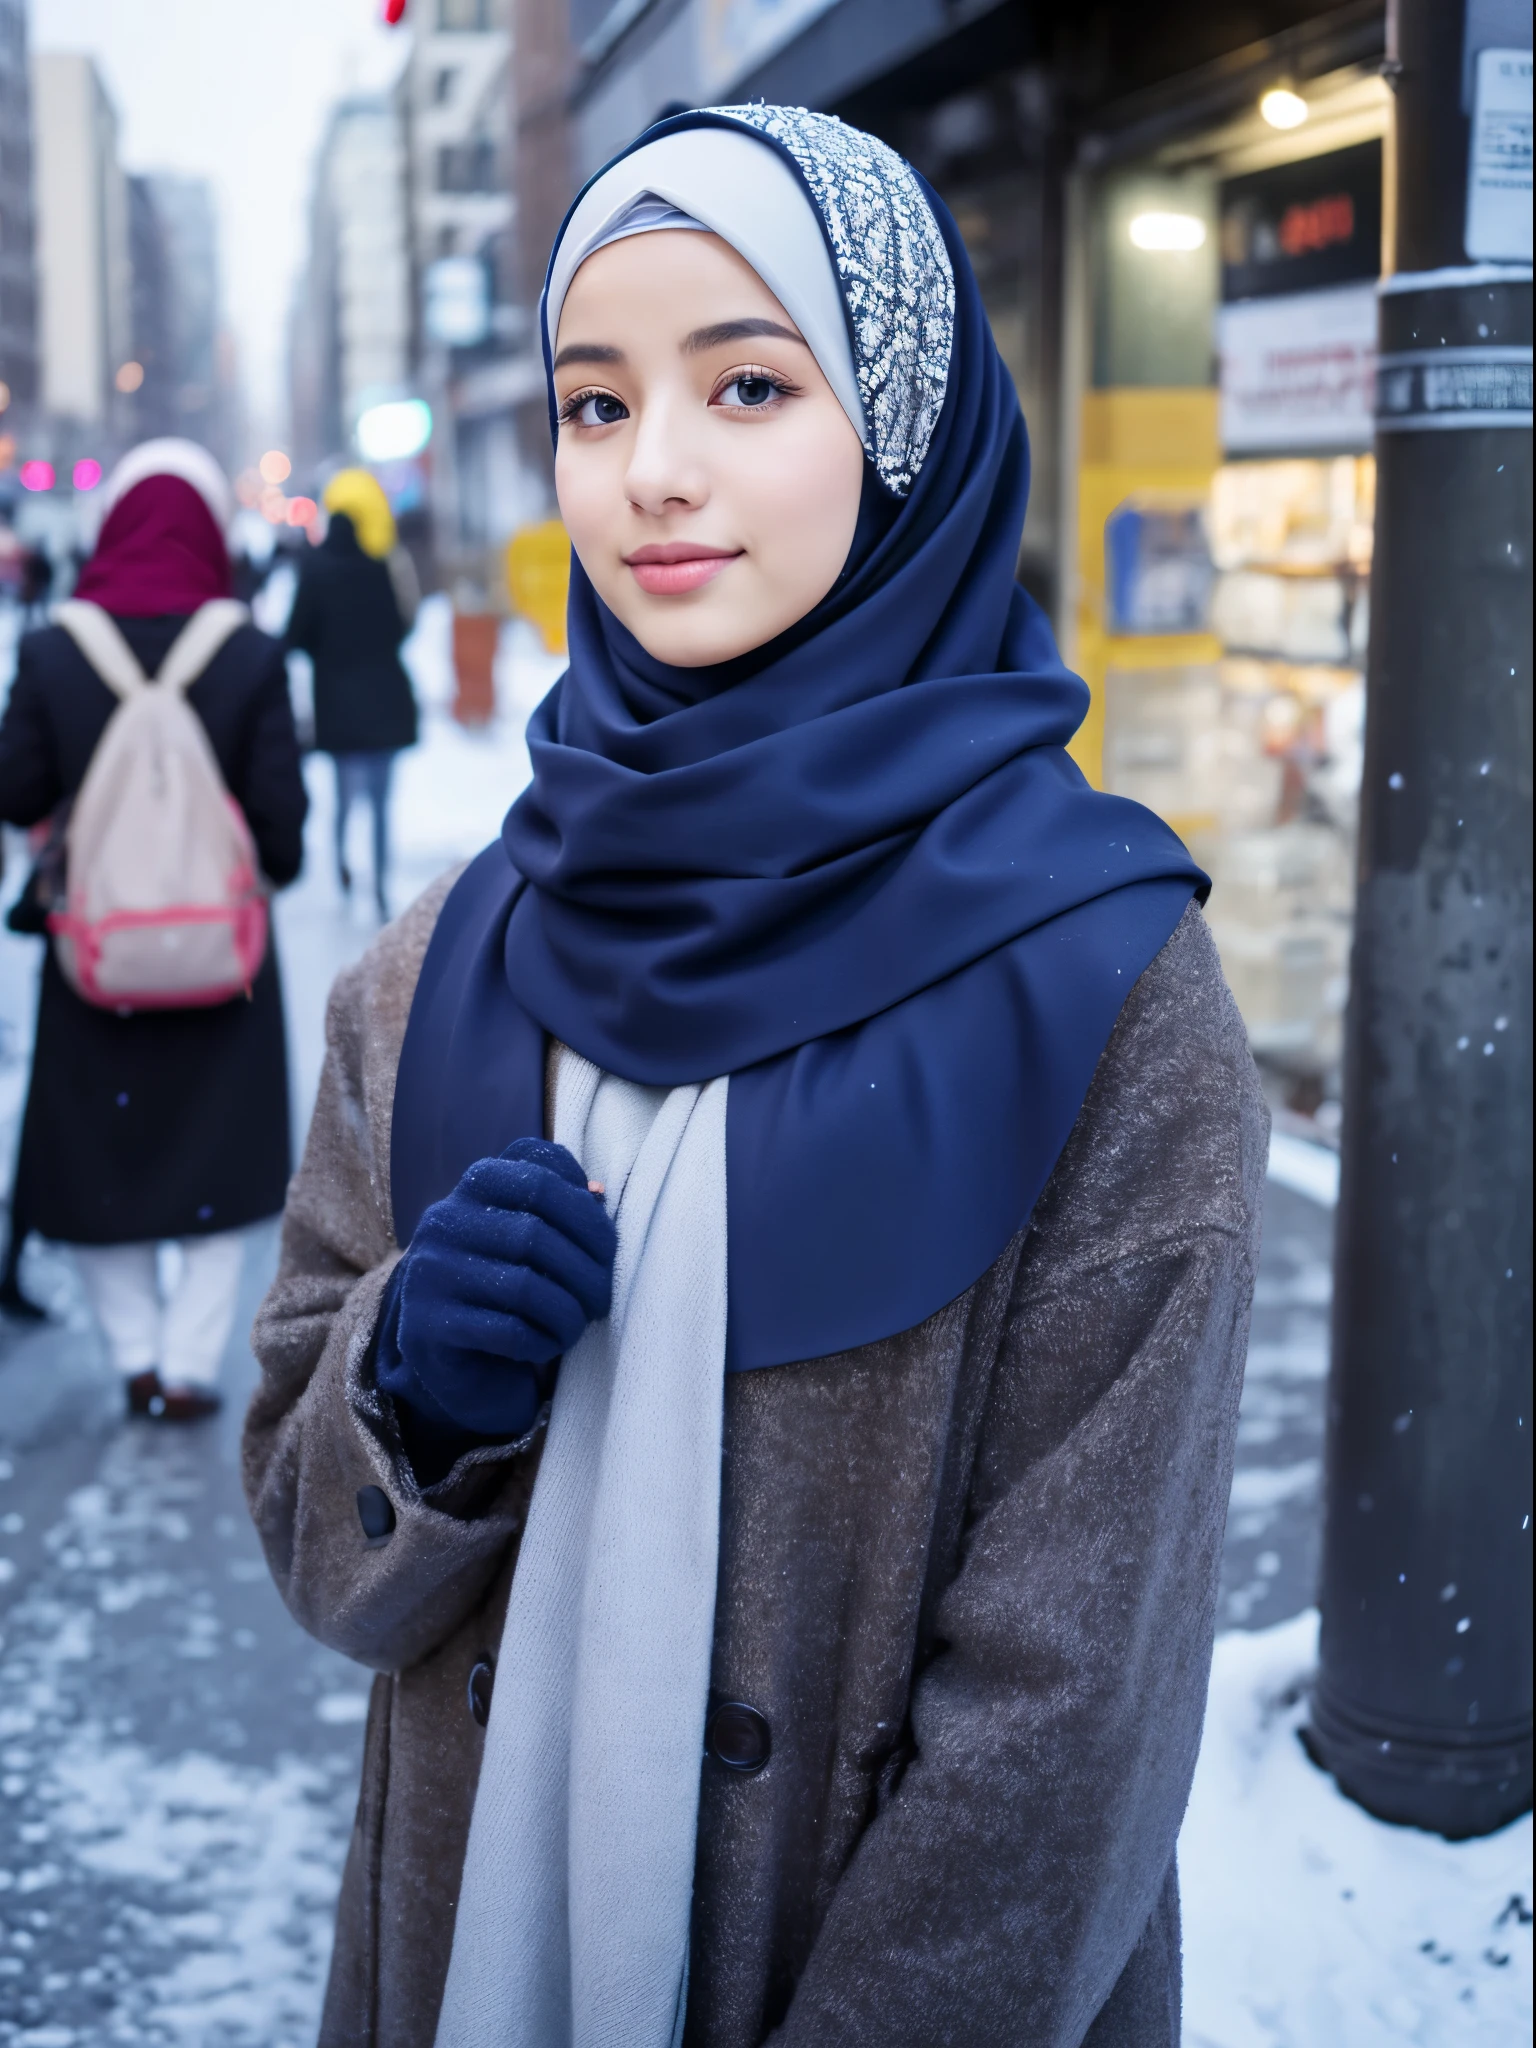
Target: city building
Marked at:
152, 404
82, 252
473, 358
350, 333
18, 291
178, 212
177, 380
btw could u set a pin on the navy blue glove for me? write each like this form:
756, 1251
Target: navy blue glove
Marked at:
501, 1278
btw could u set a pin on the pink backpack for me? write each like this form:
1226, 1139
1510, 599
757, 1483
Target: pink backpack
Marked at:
164, 906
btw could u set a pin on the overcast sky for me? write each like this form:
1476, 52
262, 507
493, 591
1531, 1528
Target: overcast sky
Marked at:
237, 90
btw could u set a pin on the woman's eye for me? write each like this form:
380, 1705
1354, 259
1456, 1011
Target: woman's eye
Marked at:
749, 392
594, 409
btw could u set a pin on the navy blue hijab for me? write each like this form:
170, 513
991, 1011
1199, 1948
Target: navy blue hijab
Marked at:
857, 871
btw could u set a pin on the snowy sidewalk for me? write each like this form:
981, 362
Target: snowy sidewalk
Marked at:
1309, 1925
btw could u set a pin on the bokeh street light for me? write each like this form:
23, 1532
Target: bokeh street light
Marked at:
129, 378
394, 431
275, 467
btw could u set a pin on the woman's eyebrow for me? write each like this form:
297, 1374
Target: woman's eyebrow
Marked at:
737, 330
588, 352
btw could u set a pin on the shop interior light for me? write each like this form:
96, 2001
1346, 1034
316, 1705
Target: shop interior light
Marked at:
87, 473
1168, 231
275, 467
1283, 109
36, 476
302, 512
394, 432
129, 378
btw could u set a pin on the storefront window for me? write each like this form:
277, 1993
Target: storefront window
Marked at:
1225, 529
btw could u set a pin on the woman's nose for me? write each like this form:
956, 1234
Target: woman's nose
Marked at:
665, 470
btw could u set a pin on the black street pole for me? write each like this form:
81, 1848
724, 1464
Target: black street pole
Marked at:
1423, 1703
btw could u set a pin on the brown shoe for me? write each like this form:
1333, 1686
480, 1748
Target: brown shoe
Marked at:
189, 1404
145, 1394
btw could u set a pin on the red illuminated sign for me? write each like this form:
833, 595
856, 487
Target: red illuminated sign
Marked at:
1322, 224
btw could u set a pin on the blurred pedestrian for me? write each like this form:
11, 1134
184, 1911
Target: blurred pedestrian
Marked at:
248, 575
154, 1125
356, 602
12, 559
36, 585
14, 1299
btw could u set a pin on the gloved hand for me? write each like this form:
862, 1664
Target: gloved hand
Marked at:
501, 1277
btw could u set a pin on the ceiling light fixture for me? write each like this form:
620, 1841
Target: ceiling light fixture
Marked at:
1283, 109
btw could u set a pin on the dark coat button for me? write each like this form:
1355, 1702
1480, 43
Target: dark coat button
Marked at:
375, 1513
739, 1737
482, 1683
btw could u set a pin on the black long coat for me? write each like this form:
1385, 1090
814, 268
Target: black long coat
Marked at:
168, 1123
347, 619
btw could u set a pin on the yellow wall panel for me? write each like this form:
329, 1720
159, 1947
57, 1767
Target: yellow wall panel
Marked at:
1133, 440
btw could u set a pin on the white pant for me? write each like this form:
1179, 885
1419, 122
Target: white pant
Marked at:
180, 1329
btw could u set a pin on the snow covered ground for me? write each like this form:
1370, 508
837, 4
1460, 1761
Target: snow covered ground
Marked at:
178, 1763
1309, 1925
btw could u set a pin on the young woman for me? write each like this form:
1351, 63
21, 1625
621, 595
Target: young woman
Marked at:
164, 1124
784, 1510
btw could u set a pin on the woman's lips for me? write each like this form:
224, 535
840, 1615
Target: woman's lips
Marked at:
672, 567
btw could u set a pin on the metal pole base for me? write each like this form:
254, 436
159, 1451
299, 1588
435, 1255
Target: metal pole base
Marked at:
1458, 1787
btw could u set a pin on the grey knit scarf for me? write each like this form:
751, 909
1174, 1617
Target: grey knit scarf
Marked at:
572, 1926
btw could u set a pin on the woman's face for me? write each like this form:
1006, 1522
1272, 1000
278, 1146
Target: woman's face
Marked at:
707, 476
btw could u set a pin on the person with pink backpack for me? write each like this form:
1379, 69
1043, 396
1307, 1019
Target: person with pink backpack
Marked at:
150, 728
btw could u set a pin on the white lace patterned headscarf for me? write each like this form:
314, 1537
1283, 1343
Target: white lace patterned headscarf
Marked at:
836, 226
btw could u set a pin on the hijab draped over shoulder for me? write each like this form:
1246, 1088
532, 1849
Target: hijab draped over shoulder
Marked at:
856, 870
